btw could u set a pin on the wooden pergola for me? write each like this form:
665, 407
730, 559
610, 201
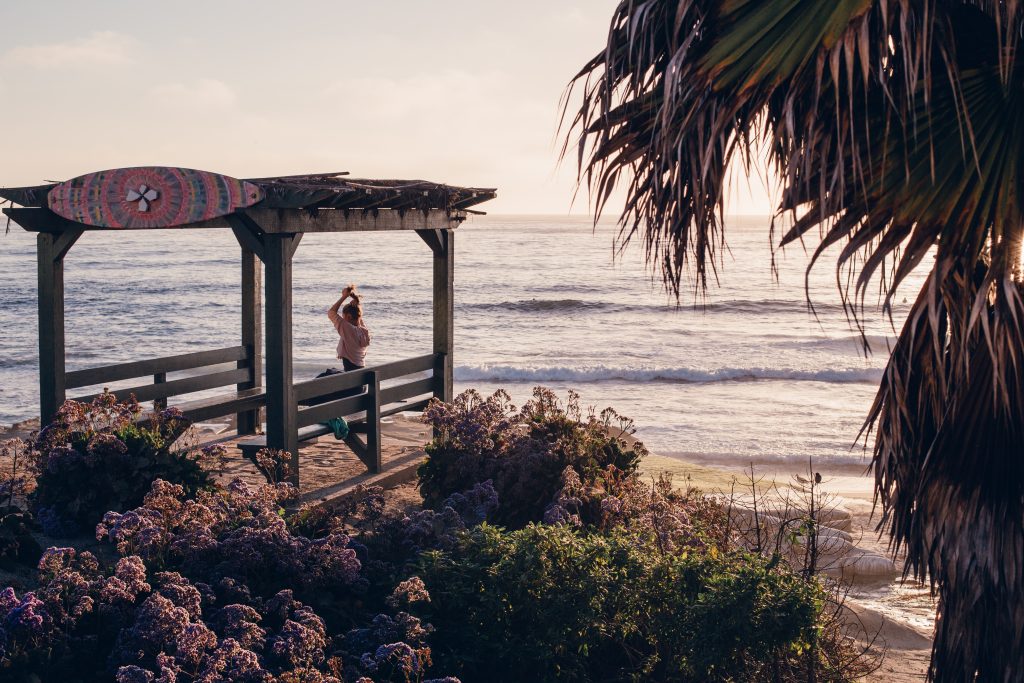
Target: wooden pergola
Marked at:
268, 217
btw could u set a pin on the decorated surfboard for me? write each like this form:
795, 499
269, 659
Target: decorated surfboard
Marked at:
150, 197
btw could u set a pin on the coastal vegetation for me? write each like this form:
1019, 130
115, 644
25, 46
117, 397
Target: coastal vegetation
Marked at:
894, 129
596, 576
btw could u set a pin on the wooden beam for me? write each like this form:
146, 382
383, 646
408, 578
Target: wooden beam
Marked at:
444, 316
50, 270
294, 245
282, 415
433, 238
252, 332
248, 234
64, 241
151, 366
177, 387
284, 221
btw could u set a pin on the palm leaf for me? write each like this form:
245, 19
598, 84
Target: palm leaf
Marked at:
896, 128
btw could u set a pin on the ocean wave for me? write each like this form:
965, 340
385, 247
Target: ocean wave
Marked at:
766, 306
880, 343
17, 362
601, 373
539, 305
732, 306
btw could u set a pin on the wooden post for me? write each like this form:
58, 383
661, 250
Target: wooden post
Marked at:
444, 314
373, 454
252, 335
50, 251
159, 403
282, 415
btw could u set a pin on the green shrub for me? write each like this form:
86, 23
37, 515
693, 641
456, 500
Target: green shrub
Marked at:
97, 457
523, 453
547, 602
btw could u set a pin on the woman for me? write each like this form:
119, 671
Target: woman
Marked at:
353, 337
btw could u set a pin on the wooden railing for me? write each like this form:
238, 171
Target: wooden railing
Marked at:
160, 388
365, 410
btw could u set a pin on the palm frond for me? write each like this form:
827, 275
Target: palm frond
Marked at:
896, 128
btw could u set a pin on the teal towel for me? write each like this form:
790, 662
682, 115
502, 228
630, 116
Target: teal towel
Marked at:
338, 426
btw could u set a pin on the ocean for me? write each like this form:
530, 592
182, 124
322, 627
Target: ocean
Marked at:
747, 373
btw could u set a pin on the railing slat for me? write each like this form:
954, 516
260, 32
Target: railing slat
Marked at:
177, 387
343, 407
407, 390
153, 366
324, 386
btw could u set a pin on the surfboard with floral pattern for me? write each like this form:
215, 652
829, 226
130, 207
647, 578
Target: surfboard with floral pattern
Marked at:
150, 197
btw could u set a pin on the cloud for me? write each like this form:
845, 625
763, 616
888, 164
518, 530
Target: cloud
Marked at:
204, 93
104, 48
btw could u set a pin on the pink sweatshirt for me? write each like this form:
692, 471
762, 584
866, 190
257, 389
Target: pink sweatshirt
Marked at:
353, 339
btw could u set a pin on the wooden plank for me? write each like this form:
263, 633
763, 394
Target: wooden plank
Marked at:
324, 386
252, 334
444, 317
397, 471
225, 404
400, 392
285, 221
41, 220
142, 368
52, 380
343, 407
353, 220
177, 387
281, 404
415, 406
331, 384
373, 436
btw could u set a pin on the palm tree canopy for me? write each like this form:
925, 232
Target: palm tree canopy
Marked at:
895, 129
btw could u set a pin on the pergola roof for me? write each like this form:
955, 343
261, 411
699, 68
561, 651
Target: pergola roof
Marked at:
325, 190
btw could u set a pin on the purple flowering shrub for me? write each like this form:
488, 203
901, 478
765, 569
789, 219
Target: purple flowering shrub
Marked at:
237, 533
213, 588
98, 456
522, 452
85, 625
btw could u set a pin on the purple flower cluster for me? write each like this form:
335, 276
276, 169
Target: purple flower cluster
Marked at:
237, 532
172, 642
522, 453
99, 456
438, 529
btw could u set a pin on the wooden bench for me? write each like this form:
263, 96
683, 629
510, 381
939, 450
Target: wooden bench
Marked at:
364, 411
245, 400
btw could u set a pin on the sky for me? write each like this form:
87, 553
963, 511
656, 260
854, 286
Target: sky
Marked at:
455, 91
